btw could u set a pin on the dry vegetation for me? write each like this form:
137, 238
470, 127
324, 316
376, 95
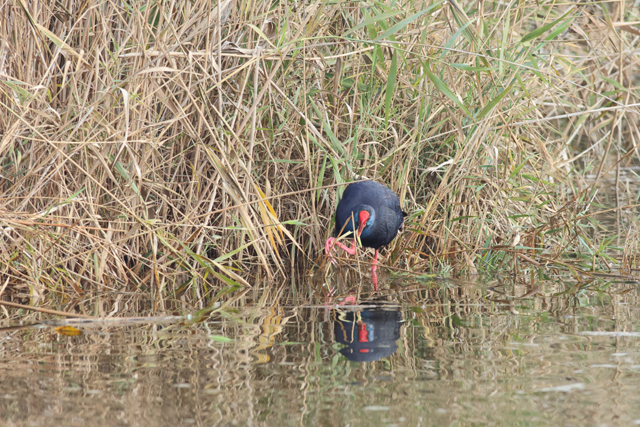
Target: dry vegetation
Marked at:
175, 148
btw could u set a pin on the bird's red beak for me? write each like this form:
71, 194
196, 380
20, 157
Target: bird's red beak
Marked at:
363, 217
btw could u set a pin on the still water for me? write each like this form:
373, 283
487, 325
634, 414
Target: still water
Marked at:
437, 355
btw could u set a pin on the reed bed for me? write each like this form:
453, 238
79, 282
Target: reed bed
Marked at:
186, 149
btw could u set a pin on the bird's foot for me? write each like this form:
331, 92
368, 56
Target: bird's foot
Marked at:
332, 242
328, 246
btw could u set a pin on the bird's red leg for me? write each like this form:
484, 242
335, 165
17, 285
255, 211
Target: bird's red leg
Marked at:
374, 273
331, 242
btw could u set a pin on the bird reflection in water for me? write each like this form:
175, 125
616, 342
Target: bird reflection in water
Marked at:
369, 334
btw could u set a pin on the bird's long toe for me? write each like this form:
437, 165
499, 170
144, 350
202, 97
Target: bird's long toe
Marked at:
329, 245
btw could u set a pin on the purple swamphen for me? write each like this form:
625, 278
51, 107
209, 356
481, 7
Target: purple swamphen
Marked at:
375, 208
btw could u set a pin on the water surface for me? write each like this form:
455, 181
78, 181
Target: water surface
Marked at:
440, 356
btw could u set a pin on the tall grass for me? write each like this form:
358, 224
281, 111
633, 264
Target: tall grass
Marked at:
179, 148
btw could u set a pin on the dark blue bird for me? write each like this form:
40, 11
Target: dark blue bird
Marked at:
377, 214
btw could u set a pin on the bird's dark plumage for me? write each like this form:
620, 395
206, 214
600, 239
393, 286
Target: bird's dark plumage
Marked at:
383, 206
372, 211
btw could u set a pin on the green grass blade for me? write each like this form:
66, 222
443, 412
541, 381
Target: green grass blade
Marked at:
400, 25
453, 39
445, 90
539, 31
495, 101
372, 20
391, 84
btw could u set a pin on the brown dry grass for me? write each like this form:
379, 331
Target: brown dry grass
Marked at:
173, 148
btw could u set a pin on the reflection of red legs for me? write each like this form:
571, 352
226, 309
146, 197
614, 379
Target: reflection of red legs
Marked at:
363, 333
374, 271
350, 299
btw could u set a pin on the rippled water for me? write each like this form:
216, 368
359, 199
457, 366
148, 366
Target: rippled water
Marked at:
464, 355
